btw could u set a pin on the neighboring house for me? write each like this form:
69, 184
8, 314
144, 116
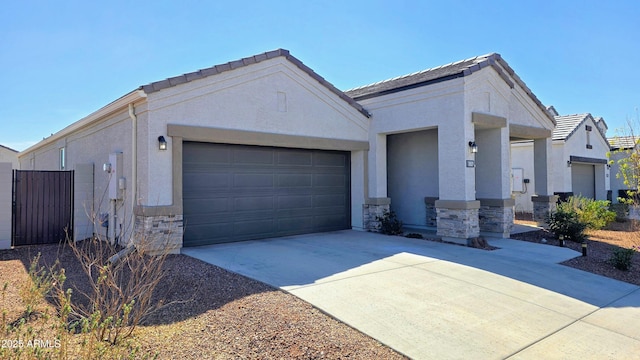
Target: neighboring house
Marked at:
9, 155
263, 147
619, 146
579, 161
8, 161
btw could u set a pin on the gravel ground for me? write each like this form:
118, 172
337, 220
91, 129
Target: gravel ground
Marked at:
215, 314
600, 246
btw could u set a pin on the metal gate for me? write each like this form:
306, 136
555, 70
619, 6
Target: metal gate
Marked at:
42, 207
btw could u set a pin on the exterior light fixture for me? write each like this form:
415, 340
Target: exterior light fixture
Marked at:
568, 163
473, 147
162, 143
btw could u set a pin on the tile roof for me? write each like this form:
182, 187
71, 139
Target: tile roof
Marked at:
232, 65
623, 142
566, 125
8, 148
443, 73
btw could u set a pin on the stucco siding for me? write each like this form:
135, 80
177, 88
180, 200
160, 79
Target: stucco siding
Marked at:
412, 162
9, 156
271, 97
522, 158
92, 145
439, 105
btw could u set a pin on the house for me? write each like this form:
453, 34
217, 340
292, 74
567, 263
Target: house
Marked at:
8, 161
579, 161
263, 147
620, 148
440, 152
8, 155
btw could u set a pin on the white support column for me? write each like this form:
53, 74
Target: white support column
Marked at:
543, 201
457, 208
358, 188
376, 201
493, 182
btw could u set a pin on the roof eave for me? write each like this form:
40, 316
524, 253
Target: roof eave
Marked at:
232, 65
99, 115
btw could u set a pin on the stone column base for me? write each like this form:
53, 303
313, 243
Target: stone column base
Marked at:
543, 205
371, 210
158, 235
496, 217
458, 220
432, 213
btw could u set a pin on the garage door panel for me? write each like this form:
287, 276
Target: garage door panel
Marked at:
196, 184
329, 180
295, 158
295, 180
330, 160
583, 180
249, 156
295, 202
253, 180
257, 227
251, 192
329, 200
253, 203
207, 206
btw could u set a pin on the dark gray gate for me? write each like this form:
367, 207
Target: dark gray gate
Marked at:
42, 207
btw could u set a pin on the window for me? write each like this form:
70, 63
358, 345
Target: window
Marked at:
62, 159
588, 128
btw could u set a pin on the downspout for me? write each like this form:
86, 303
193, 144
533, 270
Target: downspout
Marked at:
134, 153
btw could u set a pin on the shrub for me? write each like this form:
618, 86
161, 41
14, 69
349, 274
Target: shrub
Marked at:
389, 223
621, 210
595, 213
566, 222
621, 258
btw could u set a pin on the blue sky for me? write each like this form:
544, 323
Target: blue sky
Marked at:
62, 60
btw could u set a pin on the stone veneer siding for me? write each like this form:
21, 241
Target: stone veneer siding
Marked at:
496, 216
542, 206
459, 224
432, 213
159, 234
373, 209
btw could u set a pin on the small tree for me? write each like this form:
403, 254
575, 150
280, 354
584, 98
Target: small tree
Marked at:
627, 146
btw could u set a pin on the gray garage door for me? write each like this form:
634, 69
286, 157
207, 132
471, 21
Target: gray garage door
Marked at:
583, 180
237, 192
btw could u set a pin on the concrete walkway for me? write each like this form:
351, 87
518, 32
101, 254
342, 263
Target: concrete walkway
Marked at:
430, 300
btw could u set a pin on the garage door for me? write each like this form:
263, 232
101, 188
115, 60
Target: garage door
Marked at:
237, 192
583, 180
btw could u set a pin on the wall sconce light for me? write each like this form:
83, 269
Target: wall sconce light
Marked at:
473, 147
568, 163
162, 143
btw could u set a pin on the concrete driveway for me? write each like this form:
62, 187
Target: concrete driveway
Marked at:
430, 300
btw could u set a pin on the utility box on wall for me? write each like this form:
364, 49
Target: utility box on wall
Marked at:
517, 180
115, 191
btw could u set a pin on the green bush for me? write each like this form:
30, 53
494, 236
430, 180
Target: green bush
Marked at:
389, 223
565, 222
621, 258
594, 213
